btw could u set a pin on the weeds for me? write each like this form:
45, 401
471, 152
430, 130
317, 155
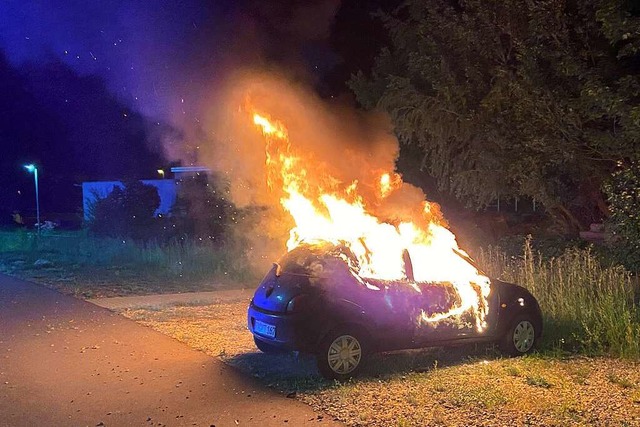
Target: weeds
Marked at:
580, 374
439, 383
587, 307
144, 266
538, 381
621, 381
513, 371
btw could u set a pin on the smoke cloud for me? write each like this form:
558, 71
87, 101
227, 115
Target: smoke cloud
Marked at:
179, 63
337, 144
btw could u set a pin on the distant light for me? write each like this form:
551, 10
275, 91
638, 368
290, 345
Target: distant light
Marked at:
30, 167
183, 169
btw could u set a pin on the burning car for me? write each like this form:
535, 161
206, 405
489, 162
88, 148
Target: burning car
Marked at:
371, 265
316, 300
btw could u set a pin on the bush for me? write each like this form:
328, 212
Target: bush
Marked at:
127, 212
201, 212
623, 194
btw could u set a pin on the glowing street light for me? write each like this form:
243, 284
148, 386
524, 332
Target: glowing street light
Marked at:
34, 170
161, 172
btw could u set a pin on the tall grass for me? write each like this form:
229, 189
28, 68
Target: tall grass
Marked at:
182, 258
587, 307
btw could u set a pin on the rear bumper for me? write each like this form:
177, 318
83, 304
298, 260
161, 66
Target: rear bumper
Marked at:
289, 329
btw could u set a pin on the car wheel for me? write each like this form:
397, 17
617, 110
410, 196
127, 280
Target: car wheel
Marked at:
520, 337
342, 354
268, 348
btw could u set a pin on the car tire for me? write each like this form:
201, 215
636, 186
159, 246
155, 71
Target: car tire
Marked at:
342, 353
521, 336
268, 348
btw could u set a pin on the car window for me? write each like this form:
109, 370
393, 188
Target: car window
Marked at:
298, 260
308, 259
318, 258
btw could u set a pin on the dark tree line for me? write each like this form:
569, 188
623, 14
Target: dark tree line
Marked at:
514, 97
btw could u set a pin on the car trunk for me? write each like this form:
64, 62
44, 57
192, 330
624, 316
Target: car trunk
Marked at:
278, 288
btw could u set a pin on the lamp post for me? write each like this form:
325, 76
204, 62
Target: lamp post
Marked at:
34, 170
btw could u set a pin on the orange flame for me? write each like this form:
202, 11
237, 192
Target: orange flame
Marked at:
389, 182
335, 212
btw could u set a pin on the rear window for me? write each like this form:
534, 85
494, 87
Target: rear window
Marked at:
306, 259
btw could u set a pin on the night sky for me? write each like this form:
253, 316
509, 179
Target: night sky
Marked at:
91, 88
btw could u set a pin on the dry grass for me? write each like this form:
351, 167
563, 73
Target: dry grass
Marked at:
460, 387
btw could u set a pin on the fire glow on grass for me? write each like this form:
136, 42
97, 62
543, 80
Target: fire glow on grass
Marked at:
335, 212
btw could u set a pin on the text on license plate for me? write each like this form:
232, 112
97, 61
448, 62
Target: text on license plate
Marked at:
265, 329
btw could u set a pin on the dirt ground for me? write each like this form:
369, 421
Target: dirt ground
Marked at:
448, 387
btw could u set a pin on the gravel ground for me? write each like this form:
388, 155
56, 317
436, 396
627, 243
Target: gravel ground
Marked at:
454, 387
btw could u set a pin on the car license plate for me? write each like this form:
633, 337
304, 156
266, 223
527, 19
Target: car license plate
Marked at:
264, 329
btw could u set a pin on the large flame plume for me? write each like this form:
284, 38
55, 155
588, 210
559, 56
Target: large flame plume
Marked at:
325, 209
326, 173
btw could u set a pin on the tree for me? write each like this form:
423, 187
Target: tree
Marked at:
514, 98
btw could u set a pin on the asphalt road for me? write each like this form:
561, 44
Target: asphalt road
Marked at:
67, 362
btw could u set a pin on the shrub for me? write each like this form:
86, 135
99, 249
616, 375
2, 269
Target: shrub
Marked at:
623, 194
201, 212
127, 212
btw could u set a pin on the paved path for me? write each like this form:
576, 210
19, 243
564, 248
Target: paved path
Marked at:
67, 362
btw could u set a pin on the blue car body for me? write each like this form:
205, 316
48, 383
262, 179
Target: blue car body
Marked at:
313, 290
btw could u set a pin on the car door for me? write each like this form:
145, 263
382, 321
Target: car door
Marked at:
433, 306
389, 309
405, 304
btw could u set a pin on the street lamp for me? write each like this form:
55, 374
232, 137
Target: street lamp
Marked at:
161, 172
34, 170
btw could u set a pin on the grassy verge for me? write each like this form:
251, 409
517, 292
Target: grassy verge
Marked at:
77, 263
587, 308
